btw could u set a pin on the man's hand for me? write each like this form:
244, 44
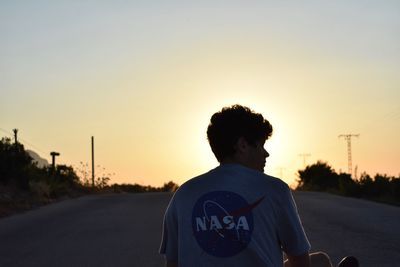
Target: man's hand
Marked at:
171, 264
298, 261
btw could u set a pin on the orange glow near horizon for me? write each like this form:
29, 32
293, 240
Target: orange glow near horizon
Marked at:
145, 82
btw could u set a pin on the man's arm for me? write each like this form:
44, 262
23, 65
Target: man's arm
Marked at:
169, 242
171, 264
298, 261
293, 239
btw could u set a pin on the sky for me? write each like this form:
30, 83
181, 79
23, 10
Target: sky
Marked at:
144, 78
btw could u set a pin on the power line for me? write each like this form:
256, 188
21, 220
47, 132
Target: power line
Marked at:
7, 132
24, 141
33, 146
281, 169
304, 155
389, 118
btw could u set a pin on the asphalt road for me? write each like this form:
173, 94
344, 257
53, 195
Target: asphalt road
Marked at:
125, 229
347, 226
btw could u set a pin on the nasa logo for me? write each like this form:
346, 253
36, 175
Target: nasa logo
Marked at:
222, 223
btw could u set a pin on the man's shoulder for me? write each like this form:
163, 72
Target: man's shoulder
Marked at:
277, 182
230, 175
262, 179
192, 182
188, 191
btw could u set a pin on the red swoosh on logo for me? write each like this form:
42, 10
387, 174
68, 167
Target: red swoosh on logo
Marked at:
247, 209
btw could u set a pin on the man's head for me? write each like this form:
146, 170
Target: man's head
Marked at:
237, 134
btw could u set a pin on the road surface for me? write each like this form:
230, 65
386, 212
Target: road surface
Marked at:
125, 229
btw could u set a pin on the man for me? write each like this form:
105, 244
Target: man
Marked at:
235, 215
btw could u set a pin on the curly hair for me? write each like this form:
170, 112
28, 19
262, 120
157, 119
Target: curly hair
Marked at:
231, 123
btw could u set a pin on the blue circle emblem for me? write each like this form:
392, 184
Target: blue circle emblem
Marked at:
222, 223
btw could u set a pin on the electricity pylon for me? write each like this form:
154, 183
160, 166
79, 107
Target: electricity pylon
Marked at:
348, 139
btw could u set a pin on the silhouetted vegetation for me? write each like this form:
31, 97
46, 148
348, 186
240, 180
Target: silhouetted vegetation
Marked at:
15, 164
321, 177
137, 188
17, 170
23, 184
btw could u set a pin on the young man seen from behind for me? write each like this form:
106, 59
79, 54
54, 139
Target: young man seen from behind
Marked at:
235, 215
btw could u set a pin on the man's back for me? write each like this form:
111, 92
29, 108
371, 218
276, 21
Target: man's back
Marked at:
232, 216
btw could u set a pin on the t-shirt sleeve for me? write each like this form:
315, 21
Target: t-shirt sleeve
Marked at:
291, 233
169, 241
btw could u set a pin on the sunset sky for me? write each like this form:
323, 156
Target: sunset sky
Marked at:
144, 77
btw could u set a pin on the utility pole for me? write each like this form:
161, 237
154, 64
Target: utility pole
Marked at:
356, 172
92, 161
281, 172
304, 155
348, 137
15, 136
53, 159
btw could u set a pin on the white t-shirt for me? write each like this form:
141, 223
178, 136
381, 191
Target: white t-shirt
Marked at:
232, 216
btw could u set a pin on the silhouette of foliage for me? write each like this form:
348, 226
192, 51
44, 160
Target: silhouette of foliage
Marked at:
18, 170
321, 177
169, 187
23, 184
14, 164
137, 188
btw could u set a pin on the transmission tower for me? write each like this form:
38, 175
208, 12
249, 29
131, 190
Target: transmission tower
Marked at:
348, 137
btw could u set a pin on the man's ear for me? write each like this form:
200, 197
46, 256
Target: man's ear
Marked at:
241, 145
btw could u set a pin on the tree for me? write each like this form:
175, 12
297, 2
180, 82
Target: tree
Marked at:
319, 177
14, 164
169, 187
348, 186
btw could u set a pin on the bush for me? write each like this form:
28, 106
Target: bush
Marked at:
321, 177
